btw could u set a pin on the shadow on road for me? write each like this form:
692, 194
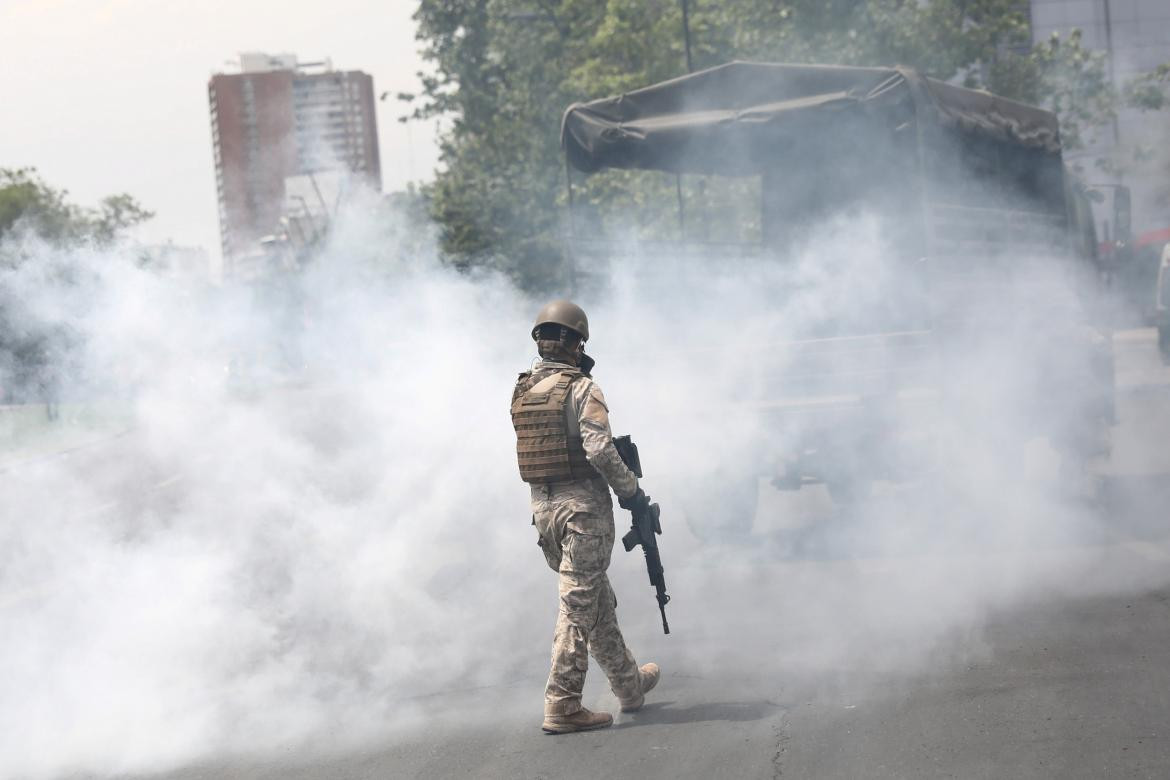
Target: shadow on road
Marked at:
666, 714
920, 522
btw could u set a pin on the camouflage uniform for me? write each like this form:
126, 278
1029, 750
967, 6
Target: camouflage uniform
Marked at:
575, 523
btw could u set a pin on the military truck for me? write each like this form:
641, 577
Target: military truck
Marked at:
976, 206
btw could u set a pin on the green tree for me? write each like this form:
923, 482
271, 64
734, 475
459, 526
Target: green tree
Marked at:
1064, 77
34, 352
505, 69
1149, 91
28, 203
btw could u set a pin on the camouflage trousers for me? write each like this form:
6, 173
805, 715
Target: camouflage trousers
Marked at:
576, 533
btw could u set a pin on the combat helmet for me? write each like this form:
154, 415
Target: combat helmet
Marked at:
564, 313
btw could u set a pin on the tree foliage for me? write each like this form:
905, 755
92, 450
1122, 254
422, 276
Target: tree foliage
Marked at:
34, 350
28, 203
1148, 92
504, 70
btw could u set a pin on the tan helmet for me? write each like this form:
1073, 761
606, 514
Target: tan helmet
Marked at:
566, 314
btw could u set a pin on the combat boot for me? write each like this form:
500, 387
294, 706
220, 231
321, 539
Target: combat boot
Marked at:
648, 675
581, 720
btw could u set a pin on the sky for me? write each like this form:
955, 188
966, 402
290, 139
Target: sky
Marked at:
109, 96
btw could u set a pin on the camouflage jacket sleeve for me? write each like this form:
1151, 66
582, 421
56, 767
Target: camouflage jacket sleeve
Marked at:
597, 438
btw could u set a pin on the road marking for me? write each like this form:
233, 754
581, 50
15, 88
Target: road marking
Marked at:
63, 453
97, 510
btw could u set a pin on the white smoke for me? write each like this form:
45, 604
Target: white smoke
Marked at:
301, 549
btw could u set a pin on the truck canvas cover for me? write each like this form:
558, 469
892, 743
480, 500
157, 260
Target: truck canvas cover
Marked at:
726, 119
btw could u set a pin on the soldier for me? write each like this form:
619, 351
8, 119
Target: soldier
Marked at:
566, 454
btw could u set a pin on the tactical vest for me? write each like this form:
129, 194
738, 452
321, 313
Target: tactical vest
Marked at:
544, 449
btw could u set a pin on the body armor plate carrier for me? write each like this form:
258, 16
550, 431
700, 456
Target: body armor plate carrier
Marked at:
544, 449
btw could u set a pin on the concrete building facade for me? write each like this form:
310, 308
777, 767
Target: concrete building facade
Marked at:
278, 118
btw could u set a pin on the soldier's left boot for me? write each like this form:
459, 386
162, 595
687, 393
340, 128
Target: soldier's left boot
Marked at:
648, 675
581, 720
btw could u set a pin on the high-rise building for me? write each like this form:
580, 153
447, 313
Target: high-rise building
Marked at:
1135, 36
277, 119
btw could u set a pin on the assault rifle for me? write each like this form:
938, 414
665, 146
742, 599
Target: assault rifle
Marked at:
645, 526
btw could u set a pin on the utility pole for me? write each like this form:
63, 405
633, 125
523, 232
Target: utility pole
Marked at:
686, 20
686, 24
1112, 67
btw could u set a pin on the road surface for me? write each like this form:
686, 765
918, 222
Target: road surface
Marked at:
1065, 688
1069, 680
983, 653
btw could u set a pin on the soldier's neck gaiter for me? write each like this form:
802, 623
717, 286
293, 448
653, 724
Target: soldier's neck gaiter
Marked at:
555, 350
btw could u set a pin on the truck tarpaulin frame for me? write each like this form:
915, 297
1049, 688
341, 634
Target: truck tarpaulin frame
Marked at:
724, 119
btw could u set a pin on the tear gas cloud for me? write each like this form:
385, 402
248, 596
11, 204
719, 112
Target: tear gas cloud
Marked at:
316, 557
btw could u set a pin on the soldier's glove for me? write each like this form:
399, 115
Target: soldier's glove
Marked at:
638, 502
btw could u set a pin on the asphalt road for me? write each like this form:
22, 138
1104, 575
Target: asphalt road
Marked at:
1071, 688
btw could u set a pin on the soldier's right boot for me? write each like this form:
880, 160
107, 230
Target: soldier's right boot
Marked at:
581, 720
648, 675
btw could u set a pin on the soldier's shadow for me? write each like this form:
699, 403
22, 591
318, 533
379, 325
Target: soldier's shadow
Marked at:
663, 712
